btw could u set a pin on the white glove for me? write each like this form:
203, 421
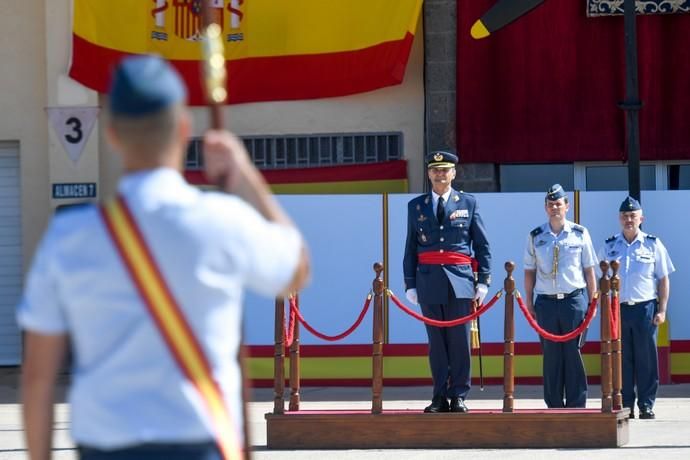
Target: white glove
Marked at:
411, 295
480, 292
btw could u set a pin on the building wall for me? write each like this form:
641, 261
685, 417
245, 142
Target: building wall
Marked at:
22, 102
440, 35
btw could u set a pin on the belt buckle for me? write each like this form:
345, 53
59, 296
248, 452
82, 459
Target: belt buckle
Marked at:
629, 303
560, 296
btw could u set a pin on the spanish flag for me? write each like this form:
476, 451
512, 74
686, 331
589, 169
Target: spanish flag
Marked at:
275, 49
384, 177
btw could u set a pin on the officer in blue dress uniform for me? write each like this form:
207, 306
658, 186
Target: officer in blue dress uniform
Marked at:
444, 229
644, 269
559, 266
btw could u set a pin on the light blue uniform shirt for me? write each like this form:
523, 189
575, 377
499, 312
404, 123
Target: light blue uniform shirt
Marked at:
559, 260
126, 388
642, 264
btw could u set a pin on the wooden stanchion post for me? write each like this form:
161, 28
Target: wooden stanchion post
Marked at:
617, 348
606, 383
294, 365
377, 348
509, 340
279, 358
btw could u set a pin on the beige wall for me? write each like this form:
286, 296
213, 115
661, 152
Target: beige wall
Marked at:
22, 102
35, 52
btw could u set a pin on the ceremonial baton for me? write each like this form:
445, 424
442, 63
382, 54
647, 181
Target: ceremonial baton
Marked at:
476, 334
475, 328
215, 78
214, 72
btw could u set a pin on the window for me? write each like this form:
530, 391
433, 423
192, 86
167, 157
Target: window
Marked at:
313, 150
679, 177
615, 177
535, 177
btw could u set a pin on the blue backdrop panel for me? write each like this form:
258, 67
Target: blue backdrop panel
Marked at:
344, 233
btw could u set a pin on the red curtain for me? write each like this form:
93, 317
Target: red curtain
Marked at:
546, 88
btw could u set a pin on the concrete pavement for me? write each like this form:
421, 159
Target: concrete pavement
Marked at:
667, 437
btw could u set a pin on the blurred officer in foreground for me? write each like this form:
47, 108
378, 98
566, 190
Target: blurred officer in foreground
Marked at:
644, 290
129, 397
559, 266
444, 230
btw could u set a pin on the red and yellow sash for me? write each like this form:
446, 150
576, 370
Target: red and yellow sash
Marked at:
170, 320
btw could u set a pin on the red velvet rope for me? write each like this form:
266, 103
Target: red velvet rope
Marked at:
434, 322
559, 338
330, 338
615, 310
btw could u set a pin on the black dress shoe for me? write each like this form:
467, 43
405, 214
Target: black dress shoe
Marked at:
646, 413
458, 405
438, 404
632, 413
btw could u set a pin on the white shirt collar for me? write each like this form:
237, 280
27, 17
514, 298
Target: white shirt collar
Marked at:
435, 196
639, 237
160, 183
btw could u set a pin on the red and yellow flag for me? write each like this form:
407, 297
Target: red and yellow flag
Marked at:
275, 49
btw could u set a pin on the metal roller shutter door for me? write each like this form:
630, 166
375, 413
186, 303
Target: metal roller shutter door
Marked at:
10, 253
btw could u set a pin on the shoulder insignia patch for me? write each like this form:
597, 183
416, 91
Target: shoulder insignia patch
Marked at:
651, 237
536, 231
610, 239
578, 228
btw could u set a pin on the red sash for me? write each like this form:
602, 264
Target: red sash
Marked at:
170, 320
444, 258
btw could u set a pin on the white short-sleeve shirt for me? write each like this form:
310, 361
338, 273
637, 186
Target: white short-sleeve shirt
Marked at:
559, 260
643, 262
126, 388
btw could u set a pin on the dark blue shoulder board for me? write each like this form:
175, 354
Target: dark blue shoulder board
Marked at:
536, 231
578, 228
651, 237
610, 239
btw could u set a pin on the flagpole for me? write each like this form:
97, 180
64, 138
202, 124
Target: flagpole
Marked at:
632, 104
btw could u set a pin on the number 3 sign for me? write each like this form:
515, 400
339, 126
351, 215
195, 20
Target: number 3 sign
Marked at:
73, 126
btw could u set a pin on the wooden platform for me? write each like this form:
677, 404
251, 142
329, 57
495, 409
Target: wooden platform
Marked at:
412, 429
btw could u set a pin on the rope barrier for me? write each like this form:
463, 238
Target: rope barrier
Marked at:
330, 338
455, 322
615, 310
591, 310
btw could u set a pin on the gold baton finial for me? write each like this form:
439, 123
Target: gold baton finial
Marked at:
214, 65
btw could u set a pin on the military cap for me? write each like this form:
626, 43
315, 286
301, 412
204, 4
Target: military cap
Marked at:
555, 192
441, 159
630, 204
144, 84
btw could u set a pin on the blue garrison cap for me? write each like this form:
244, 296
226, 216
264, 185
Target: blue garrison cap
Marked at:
555, 192
441, 159
143, 85
630, 204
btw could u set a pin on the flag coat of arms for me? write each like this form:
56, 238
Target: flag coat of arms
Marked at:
274, 49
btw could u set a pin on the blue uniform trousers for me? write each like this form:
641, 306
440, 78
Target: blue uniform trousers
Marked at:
449, 348
640, 359
172, 451
564, 370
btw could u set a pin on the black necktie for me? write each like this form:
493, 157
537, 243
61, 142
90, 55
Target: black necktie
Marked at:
440, 210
